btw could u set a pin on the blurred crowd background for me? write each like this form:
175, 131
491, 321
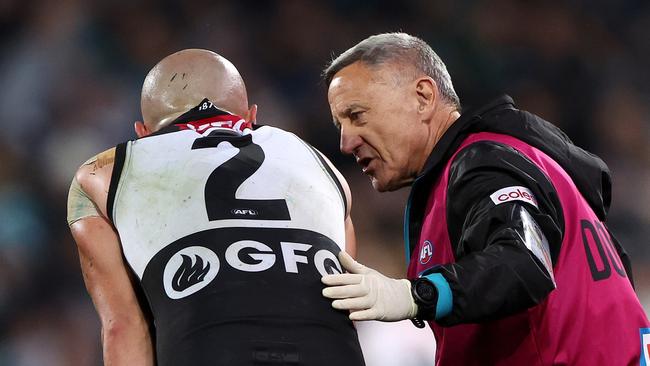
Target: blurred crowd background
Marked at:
71, 73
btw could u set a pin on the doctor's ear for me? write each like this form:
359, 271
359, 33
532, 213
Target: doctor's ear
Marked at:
427, 93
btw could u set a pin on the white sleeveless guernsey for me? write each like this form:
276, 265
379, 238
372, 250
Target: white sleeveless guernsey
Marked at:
161, 197
229, 236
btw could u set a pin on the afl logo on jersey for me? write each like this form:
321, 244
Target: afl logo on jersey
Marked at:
189, 270
243, 212
426, 252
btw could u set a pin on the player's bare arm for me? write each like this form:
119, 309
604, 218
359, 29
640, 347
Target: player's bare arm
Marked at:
125, 331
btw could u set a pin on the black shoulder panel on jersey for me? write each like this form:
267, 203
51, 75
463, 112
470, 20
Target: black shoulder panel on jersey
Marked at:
331, 174
484, 167
120, 156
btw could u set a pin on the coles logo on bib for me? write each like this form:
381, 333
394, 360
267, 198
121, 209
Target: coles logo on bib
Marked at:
514, 193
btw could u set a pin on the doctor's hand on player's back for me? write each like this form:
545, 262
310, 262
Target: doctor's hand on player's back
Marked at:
203, 241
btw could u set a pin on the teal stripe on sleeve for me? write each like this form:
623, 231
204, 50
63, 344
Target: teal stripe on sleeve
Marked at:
407, 244
407, 230
445, 298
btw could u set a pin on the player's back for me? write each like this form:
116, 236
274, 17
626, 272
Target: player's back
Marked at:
229, 235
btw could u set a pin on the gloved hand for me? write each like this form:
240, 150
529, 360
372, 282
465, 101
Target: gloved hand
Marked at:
368, 294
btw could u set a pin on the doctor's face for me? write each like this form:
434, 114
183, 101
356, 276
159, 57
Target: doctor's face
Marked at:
377, 115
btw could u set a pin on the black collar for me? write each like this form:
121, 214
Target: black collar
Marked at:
453, 137
205, 109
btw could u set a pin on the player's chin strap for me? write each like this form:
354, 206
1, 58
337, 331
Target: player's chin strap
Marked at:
224, 122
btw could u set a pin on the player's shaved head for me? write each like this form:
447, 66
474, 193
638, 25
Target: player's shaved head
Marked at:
181, 80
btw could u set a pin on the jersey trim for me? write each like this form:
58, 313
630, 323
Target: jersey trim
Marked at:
445, 296
331, 174
408, 249
120, 157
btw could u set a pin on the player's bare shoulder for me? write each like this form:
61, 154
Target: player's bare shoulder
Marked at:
94, 177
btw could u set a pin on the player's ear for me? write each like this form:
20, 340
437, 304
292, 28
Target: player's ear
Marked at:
141, 129
251, 115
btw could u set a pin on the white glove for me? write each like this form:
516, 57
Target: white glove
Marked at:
368, 294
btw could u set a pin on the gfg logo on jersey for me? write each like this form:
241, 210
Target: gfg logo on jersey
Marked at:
189, 270
514, 193
426, 252
193, 268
